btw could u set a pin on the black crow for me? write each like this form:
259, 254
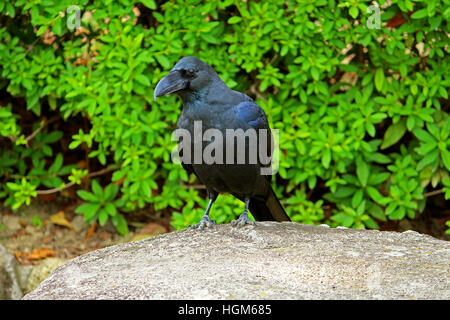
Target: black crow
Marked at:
208, 103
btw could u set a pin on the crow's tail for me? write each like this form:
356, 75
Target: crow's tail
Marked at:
269, 209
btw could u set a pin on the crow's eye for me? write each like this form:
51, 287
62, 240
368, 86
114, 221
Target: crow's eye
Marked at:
190, 72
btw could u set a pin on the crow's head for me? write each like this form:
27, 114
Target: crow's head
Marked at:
189, 75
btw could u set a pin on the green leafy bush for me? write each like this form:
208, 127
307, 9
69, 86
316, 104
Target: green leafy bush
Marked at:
362, 112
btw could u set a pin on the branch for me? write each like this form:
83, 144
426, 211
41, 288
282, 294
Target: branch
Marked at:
255, 91
90, 175
197, 186
49, 191
46, 123
433, 193
31, 46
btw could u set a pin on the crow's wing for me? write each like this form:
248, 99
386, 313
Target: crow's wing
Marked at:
252, 114
268, 208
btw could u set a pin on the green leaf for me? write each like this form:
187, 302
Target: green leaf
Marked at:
376, 179
52, 137
111, 191
379, 158
424, 135
393, 134
209, 38
13, 186
57, 27
414, 89
110, 209
445, 154
376, 196
234, 19
87, 196
117, 175
120, 223
361, 208
410, 123
398, 214
41, 30
376, 212
371, 223
315, 73
357, 198
434, 130
149, 4
354, 12
428, 159
97, 189
102, 217
419, 14
343, 219
57, 164
403, 70
326, 158
344, 192
36, 221
370, 128
10, 9
379, 79
145, 188
443, 92
362, 171
52, 182
142, 79
88, 210
163, 61
74, 144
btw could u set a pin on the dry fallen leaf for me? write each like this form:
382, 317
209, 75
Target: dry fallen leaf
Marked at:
59, 219
46, 240
18, 254
37, 254
398, 20
91, 231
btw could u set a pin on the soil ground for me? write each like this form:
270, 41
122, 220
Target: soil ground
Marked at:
30, 234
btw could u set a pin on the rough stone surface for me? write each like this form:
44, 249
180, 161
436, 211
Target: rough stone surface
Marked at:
42, 271
9, 283
270, 261
23, 272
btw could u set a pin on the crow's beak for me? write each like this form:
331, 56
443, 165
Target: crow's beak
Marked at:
169, 84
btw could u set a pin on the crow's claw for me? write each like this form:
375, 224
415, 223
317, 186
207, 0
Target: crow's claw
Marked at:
205, 222
242, 221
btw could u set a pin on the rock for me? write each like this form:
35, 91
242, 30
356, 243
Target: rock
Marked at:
23, 272
78, 223
42, 271
270, 261
12, 225
30, 229
9, 284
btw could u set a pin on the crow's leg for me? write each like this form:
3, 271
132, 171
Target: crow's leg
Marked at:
206, 221
243, 218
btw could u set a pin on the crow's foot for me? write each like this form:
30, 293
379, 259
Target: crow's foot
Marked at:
205, 222
242, 221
